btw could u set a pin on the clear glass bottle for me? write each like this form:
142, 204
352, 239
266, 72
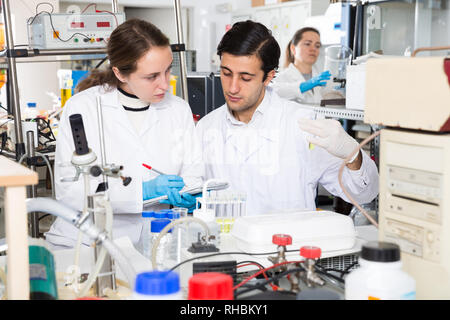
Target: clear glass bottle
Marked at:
182, 232
183, 212
144, 242
337, 58
175, 247
163, 251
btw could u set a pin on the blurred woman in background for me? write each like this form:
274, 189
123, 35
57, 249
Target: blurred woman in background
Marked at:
300, 81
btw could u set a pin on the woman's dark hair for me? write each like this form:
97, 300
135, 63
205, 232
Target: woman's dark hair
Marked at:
295, 39
248, 38
127, 43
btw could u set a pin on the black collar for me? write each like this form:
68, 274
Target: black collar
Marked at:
126, 93
134, 97
136, 110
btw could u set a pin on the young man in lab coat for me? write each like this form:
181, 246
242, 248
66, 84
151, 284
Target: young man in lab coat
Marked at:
260, 143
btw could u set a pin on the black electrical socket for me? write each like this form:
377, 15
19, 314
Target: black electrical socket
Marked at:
227, 267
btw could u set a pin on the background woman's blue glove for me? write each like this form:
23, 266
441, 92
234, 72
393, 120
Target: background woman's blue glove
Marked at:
169, 185
315, 81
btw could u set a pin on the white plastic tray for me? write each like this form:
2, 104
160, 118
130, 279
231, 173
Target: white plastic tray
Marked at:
325, 229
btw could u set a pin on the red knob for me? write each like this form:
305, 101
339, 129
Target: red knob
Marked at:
310, 252
281, 239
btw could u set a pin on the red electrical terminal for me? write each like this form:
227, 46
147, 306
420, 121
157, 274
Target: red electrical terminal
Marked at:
310, 252
281, 239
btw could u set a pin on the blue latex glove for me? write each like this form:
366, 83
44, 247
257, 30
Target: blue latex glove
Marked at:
315, 81
187, 201
169, 185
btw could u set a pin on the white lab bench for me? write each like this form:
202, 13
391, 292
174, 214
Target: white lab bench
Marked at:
64, 259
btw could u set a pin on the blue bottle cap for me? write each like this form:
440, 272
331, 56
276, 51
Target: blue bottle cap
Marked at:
159, 214
173, 215
159, 224
31, 104
147, 214
157, 283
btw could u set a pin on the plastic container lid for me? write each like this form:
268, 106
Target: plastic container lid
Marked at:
380, 251
210, 286
206, 215
328, 230
157, 283
147, 214
160, 214
159, 224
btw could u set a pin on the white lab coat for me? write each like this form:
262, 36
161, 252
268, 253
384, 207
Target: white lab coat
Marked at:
287, 83
165, 142
269, 159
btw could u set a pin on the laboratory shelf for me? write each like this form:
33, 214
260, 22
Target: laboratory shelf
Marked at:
338, 112
61, 58
30, 52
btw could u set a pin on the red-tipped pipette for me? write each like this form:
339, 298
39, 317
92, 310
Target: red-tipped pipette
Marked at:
152, 169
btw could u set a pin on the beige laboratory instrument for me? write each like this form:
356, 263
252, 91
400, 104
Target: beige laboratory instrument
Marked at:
411, 97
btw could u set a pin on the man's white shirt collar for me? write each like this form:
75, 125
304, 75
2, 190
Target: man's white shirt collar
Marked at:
258, 121
259, 112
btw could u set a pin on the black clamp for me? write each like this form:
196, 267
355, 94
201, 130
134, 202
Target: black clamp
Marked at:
32, 161
178, 47
341, 81
102, 187
20, 53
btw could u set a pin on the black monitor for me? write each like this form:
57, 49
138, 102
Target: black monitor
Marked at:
204, 92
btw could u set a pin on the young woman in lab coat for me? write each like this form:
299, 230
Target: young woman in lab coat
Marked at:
143, 123
259, 142
300, 81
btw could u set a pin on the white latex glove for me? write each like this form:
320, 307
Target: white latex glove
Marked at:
329, 134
